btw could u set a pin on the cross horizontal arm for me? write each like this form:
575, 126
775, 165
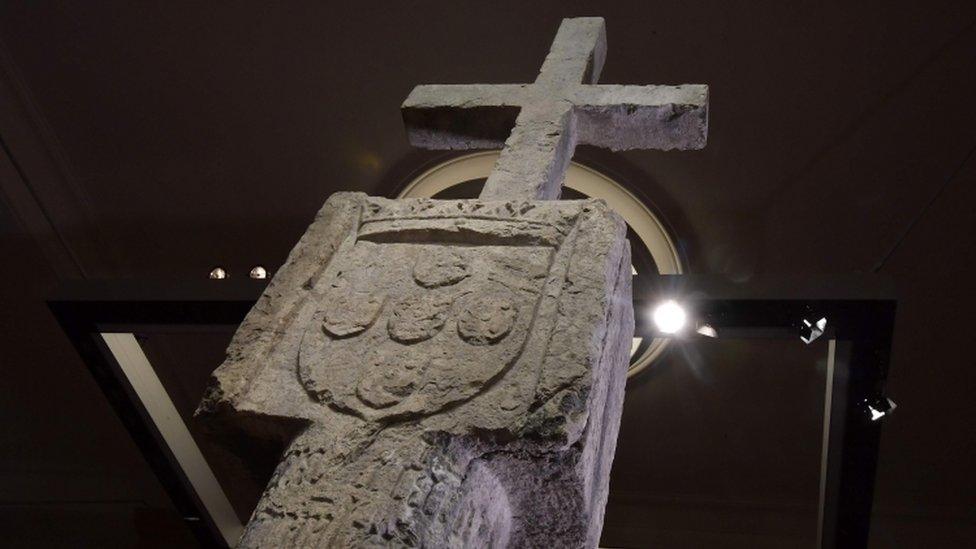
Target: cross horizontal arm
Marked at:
462, 116
642, 117
539, 125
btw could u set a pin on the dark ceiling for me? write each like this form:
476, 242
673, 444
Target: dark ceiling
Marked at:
156, 140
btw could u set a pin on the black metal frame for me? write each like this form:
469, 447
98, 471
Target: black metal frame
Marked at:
86, 309
860, 312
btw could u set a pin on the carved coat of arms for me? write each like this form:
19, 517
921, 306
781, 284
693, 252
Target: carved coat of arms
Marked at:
412, 321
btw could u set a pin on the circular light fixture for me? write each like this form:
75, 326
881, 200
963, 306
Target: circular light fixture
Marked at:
669, 317
258, 272
218, 273
652, 248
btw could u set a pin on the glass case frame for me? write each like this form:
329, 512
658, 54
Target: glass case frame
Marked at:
102, 318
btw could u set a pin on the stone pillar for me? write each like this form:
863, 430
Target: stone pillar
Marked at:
448, 374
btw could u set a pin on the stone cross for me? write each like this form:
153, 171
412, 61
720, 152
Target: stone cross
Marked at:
544, 121
450, 373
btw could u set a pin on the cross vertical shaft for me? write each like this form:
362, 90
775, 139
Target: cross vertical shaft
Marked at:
536, 155
577, 53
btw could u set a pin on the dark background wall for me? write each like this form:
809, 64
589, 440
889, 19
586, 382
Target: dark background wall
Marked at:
155, 140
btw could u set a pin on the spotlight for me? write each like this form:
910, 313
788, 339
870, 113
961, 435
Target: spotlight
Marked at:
258, 272
218, 273
669, 317
810, 331
880, 407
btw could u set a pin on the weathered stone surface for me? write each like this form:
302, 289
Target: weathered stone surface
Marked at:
540, 124
449, 374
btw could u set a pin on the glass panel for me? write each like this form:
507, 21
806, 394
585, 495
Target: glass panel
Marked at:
720, 446
183, 362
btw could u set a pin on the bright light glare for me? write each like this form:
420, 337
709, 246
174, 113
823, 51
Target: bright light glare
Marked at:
669, 317
883, 407
875, 413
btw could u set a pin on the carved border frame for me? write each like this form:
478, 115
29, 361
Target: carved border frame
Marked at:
860, 312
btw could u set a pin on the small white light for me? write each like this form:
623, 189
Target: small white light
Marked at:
810, 331
669, 317
875, 413
218, 273
881, 407
707, 330
258, 272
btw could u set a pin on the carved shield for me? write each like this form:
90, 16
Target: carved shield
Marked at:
411, 322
